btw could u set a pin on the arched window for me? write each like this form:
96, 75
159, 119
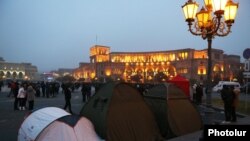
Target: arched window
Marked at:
14, 74
1, 74
20, 75
8, 74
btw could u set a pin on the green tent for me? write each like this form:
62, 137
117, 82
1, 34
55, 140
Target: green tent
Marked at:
174, 113
119, 113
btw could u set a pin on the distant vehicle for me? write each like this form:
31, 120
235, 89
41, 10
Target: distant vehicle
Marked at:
219, 86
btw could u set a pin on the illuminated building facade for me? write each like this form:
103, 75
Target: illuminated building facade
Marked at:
156, 66
22, 71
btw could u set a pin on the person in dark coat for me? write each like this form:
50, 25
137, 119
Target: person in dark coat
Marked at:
84, 91
15, 96
43, 88
67, 94
1, 85
227, 96
199, 93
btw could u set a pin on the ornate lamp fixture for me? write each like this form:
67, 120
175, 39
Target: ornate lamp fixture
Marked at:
208, 23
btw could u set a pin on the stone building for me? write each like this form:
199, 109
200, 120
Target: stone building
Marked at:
157, 65
22, 71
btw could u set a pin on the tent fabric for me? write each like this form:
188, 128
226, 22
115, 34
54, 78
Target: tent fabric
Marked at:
182, 83
156, 99
175, 114
61, 130
129, 118
183, 117
70, 120
55, 124
97, 107
37, 121
119, 112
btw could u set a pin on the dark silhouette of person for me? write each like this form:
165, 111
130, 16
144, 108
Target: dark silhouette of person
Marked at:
88, 91
227, 97
1, 85
199, 94
84, 91
67, 94
15, 96
43, 88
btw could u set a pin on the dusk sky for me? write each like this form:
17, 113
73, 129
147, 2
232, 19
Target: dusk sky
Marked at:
54, 34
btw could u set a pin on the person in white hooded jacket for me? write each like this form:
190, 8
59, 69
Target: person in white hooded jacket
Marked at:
21, 96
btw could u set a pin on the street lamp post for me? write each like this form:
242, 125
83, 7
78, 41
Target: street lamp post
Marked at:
208, 23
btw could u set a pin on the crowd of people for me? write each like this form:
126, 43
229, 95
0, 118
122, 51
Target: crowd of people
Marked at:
25, 92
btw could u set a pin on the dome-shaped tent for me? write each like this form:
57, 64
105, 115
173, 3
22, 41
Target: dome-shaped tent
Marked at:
55, 124
174, 112
119, 112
